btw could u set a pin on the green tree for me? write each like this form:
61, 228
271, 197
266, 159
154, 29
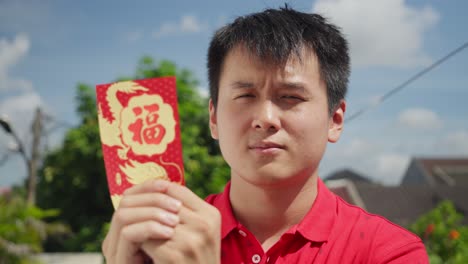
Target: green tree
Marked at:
22, 229
205, 169
446, 239
73, 177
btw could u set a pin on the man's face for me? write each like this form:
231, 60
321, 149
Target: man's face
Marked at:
273, 123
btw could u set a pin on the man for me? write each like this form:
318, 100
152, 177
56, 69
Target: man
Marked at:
277, 80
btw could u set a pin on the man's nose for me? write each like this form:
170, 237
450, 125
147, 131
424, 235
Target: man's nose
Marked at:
266, 117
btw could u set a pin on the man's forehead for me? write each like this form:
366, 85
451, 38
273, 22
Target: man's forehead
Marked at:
293, 63
297, 56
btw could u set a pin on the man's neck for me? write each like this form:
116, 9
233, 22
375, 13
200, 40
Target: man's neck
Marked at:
269, 211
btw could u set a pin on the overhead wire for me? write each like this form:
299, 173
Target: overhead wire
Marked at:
400, 87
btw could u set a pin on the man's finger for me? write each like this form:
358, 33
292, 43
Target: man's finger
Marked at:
186, 196
151, 199
161, 251
143, 231
149, 186
127, 253
128, 216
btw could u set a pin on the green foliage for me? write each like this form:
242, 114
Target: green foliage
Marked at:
446, 239
205, 169
73, 179
73, 176
22, 229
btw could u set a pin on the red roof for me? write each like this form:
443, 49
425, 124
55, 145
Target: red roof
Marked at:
4, 190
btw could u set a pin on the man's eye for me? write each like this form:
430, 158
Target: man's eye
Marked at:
292, 97
245, 96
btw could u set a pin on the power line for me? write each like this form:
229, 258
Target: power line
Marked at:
405, 83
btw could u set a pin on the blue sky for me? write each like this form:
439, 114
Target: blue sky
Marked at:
48, 47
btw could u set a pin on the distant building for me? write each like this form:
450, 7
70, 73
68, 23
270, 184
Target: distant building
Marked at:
406, 203
400, 204
346, 189
449, 172
347, 174
426, 183
4, 191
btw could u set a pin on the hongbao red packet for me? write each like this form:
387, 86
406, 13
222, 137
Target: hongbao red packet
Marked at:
140, 133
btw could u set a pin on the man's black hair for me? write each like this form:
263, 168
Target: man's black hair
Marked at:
273, 36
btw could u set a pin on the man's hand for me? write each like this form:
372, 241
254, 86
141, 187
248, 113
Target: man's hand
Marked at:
197, 237
145, 213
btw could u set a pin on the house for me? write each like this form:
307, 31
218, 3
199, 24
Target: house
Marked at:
436, 172
426, 183
400, 204
4, 191
346, 189
347, 174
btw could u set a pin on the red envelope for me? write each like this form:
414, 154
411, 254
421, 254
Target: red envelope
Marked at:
140, 133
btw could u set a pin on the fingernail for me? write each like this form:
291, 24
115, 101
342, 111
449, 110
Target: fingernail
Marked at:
171, 219
167, 231
175, 204
160, 185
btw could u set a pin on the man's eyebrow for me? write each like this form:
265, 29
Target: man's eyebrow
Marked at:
297, 86
294, 86
241, 84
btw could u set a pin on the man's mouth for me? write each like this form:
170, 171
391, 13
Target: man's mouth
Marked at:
266, 147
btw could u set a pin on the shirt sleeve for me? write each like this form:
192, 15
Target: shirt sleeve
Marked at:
393, 244
410, 253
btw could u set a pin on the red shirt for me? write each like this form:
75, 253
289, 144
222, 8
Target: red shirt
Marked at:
333, 231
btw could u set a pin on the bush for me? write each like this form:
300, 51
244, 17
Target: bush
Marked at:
446, 239
22, 230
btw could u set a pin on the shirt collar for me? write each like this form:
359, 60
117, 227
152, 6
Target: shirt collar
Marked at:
319, 221
223, 204
315, 226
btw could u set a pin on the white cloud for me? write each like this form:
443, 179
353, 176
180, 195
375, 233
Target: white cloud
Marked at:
372, 159
358, 148
133, 36
419, 118
20, 106
454, 143
190, 24
384, 160
187, 24
20, 103
390, 167
384, 32
24, 15
222, 21
11, 52
204, 91
19, 109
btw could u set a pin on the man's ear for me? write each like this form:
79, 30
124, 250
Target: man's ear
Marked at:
213, 121
336, 122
